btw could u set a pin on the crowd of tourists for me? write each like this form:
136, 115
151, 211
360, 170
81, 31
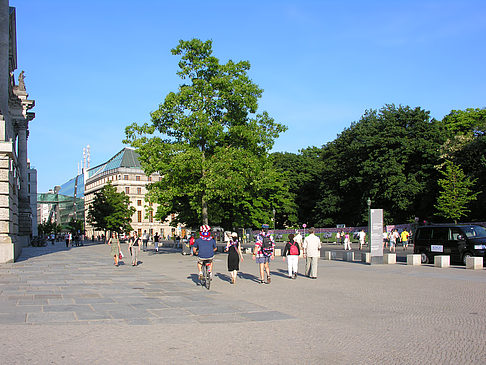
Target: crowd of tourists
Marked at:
263, 253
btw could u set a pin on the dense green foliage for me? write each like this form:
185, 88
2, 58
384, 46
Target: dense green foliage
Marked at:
456, 193
395, 157
111, 210
46, 228
211, 147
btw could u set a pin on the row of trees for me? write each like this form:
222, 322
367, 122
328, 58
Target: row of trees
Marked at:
405, 162
213, 150
48, 227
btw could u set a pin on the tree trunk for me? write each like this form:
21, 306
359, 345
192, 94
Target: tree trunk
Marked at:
204, 211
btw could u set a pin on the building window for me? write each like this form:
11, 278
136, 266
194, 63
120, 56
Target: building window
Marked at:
125, 177
160, 178
150, 178
151, 217
137, 178
139, 191
139, 216
139, 202
127, 190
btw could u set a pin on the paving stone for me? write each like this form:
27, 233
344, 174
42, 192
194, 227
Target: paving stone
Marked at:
68, 308
13, 318
266, 316
50, 317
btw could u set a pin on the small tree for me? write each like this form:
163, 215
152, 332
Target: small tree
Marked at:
456, 193
111, 211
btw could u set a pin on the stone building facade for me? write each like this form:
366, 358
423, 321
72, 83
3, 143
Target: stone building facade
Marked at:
15, 209
125, 173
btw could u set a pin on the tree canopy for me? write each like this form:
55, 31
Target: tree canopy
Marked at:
211, 146
111, 210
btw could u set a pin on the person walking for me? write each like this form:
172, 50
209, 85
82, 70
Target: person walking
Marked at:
312, 247
156, 241
362, 239
114, 242
393, 240
264, 252
298, 239
292, 252
347, 241
404, 236
145, 238
233, 248
134, 247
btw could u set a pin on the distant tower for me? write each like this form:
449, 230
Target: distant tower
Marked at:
86, 159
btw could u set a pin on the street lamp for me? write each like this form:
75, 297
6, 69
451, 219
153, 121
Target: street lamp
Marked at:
369, 221
273, 211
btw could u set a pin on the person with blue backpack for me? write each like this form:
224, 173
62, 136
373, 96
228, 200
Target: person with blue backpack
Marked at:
292, 252
264, 252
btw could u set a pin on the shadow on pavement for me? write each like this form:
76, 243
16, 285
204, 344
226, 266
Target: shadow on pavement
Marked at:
247, 276
194, 278
31, 251
224, 277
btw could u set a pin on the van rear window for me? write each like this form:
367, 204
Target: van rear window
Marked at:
475, 231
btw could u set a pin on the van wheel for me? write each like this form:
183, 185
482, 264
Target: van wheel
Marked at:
465, 256
424, 258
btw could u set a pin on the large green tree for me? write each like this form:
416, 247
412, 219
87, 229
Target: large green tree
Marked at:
456, 193
111, 210
302, 172
388, 156
210, 145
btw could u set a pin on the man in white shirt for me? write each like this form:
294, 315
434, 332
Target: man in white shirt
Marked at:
362, 238
312, 247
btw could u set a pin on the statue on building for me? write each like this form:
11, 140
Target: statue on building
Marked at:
21, 81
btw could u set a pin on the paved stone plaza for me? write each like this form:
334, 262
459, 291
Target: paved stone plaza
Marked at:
72, 306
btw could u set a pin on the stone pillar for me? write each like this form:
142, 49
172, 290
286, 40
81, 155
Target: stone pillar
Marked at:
25, 214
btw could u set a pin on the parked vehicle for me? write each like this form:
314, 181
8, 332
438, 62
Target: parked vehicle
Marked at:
457, 241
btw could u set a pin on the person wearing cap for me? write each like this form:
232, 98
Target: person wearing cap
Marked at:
263, 255
234, 256
204, 247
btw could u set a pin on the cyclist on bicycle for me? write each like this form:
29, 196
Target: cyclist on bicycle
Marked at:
204, 247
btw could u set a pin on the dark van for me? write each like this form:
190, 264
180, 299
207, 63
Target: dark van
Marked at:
457, 241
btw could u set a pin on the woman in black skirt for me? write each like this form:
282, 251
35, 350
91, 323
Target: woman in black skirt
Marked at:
234, 256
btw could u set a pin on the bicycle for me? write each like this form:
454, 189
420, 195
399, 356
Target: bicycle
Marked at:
206, 270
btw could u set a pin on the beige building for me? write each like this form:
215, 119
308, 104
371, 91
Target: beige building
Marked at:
125, 173
15, 208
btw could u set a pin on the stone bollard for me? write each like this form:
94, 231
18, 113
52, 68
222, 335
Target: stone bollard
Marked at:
349, 256
278, 252
442, 261
474, 263
414, 260
366, 257
390, 258
327, 255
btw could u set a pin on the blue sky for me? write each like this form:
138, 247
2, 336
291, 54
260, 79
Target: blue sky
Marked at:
94, 67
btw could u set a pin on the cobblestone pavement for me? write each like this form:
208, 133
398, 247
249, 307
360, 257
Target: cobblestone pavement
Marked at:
73, 306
